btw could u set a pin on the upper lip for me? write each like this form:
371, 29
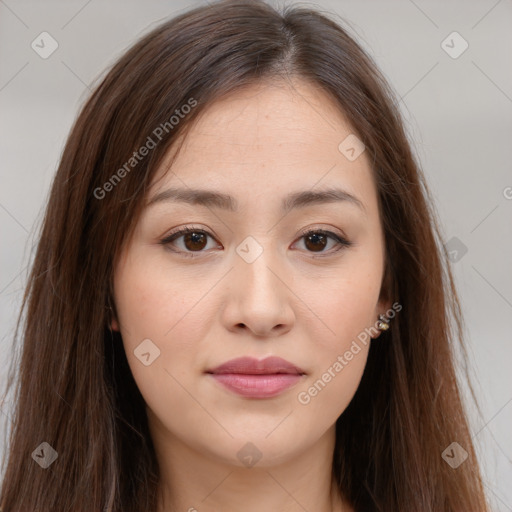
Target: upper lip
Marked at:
251, 366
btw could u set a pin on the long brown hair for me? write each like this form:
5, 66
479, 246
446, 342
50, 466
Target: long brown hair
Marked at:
75, 389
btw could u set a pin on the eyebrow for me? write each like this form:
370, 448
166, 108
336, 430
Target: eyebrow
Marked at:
214, 199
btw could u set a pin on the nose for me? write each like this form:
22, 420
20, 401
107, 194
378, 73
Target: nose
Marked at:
259, 298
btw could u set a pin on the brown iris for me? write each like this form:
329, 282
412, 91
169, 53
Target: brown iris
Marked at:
316, 241
195, 241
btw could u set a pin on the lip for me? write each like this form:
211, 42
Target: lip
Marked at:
255, 378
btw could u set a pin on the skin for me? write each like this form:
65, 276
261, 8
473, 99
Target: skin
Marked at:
258, 145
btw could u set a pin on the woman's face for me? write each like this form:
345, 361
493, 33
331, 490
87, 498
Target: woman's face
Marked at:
249, 283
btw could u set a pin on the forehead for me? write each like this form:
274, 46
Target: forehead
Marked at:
268, 138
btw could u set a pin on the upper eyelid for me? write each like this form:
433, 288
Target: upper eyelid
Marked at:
183, 230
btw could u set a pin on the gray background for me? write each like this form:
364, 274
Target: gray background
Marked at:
458, 112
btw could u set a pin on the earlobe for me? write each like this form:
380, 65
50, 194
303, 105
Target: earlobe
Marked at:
114, 325
383, 323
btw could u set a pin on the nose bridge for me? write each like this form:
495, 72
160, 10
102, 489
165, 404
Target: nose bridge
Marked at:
256, 267
259, 293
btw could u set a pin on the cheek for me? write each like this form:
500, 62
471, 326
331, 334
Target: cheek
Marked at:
345, 306
327, 393
169, 306
152, 311
341, 347
152, 301
344, 303
158, 324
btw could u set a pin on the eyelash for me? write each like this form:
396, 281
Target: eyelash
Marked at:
342, 242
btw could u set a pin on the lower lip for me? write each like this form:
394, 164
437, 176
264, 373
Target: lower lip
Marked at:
257, 386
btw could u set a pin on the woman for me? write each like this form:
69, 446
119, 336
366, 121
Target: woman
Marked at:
238, 299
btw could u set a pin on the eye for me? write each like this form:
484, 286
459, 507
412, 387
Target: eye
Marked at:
315, 240
195, 240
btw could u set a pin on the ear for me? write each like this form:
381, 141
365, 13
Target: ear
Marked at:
112, 320
114, 323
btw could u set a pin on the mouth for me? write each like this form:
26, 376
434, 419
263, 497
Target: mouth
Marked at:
253, 378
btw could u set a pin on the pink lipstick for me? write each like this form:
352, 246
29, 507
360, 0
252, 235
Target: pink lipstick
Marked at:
252, 378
